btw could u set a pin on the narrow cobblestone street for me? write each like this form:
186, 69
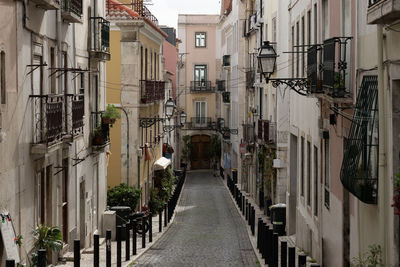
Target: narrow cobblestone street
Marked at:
207, 230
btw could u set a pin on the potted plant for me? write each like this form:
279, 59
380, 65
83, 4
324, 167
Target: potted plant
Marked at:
97, 137
111, 114
48, 238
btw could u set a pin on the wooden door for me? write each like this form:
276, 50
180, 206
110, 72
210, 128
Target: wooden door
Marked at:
199, 157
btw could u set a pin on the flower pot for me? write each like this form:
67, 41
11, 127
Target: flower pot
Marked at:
107, 120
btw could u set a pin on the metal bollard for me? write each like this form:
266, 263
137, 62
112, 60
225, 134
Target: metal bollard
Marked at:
77, 253
10, 263
302, 260
96, 250
165, 214
258, 232
315, 265
263, 234
269, 254
118, 236
150, 227
134, 237
246, 210
127, 241
42, 258
160, 220
143, 232
248, 214
253, 220
265, 245
283, 254
275, 250
108, 248
292, 257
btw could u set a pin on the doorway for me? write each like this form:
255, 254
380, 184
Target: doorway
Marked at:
199, 157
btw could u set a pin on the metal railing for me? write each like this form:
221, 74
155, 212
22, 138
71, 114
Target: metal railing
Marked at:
270, 132
151, 91
226, 97
75, 114
100, 30
200, 123
74, 6
100, 130
48, 118
201, 86
221, 85
373, 2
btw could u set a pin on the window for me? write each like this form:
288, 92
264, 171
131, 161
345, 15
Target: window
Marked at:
326, 172
65, 66
201, 39
151, 65
52, 71
141, 62
201, 112
261, 8
315, 181
82, 84
308, 173
292, 55
155, 66
303, 40
302, 167
297, 48
145, 64
200, 73
325, 19
274, 29
3, 77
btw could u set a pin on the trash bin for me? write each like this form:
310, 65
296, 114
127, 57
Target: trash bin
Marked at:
278, 218
122, 217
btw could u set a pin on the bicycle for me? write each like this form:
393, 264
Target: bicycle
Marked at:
138, 216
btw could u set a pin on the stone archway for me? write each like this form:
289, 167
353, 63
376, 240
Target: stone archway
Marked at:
199, 157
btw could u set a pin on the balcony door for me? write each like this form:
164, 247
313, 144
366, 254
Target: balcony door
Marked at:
200, 75
201, 113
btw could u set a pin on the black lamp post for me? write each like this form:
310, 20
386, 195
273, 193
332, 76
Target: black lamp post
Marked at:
183, 118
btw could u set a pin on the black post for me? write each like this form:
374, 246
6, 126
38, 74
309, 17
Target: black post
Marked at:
42, 258
253, 220
259, 232
315, 265
283, 254
292, 257
266, 243
96, 250
77, 253
150, 227
127, 241
10, 263
160, 220
248, 219
143, 232
165, 214
275, 250
134, 237
269, 254
302, 260
118, 236
262, 238
246, 212
108, 248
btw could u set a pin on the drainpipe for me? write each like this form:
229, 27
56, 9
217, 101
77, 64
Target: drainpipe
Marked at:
127, 145
382, 183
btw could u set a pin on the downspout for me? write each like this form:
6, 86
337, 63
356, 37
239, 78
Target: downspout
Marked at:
382, 183
127, 145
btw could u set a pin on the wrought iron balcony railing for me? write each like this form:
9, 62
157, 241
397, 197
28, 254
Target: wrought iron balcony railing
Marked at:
226, 97
100, 130
72, 10
48, 118
151, 91
221, 85
100, 38
383, 11
47, 4
200, 123
201, 86
270, 132
144, 12
75, 114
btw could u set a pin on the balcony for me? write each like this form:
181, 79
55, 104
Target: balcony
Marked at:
100, 132
221, 85
100, 38
201, 87
248, 133
144, 12
226, 97
48, 122
313, 70
250, 79
75, 114
72, 11
200, 123
47, 4
151, 91
269, 132
383, 11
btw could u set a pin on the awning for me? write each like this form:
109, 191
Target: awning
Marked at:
161, 164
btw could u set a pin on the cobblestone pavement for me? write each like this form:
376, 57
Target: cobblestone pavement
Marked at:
207, 230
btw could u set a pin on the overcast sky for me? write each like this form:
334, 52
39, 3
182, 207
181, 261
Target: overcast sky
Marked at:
167, 11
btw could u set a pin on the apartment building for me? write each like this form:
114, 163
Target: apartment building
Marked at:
52, 88
137, 87
197, 83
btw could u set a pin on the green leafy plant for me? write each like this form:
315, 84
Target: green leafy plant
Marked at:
48, 238
371, 258
155, 202
123, 195
18, 240
111, 114
396, 195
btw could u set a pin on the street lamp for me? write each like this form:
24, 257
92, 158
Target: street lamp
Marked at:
267, 60
169, 108
183, 118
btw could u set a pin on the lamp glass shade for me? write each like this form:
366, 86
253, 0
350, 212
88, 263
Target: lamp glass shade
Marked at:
221, 123
169, 108
267, 59
183, 118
